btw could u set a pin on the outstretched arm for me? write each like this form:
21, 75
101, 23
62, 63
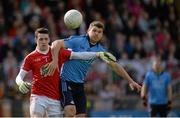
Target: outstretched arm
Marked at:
74, 55
83, 55
111, 61
121, 72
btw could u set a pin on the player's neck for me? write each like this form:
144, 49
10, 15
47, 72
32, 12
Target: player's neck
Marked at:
42, 52
93, 43
158, 71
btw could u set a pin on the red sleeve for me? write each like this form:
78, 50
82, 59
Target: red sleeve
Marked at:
64, 55
27, 63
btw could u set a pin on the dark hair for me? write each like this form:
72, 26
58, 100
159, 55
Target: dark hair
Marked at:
97, 24
41, 30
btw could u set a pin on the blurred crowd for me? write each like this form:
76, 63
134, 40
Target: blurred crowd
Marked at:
136, 31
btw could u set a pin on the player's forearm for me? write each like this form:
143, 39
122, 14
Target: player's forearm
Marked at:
55, 47
54, 52
143, 91
83, 55
120, 71
19, 79
170, 93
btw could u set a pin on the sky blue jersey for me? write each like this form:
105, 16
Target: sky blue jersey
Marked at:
76, 70
157, 87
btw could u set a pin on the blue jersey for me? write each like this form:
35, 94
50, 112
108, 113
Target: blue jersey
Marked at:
76, 70
157, 87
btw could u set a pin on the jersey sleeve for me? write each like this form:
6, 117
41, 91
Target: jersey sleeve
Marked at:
71, 42
64, 55
26, 63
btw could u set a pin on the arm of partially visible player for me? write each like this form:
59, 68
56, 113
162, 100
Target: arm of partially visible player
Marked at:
55, 48
121, 72
143, 91
83, 55
24, 87
169, 97
143, 94
169, 87
170, 92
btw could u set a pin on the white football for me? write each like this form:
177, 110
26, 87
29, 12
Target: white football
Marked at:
73, 19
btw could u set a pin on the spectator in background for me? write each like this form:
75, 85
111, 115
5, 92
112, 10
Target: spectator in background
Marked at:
10, 68
157, 88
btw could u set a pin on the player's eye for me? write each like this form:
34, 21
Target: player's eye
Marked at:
99, 32
94, 30
46, 39
40, 39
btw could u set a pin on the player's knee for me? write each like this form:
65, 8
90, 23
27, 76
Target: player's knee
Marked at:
69, 111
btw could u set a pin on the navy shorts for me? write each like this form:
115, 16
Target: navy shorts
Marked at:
73, 94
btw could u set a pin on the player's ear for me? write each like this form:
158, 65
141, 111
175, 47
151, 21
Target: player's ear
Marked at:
35, 38
89, 29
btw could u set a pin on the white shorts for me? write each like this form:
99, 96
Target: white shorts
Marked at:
43, 105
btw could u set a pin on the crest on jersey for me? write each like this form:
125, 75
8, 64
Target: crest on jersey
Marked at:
44, 70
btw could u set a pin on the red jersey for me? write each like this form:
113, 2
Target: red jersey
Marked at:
45, 86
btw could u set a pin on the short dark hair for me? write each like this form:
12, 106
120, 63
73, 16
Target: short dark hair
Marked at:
41, 30
98, 24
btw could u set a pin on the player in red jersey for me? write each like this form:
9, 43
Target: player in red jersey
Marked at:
45, 93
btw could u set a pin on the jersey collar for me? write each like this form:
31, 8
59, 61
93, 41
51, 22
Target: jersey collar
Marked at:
42, 52
158, 73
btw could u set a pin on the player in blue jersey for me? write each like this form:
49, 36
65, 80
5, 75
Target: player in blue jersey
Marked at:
157, 87
74, 71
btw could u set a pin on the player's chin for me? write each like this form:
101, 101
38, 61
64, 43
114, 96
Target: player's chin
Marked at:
44, 48
96, 39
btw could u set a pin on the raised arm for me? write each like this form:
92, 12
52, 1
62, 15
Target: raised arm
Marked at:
55, 47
